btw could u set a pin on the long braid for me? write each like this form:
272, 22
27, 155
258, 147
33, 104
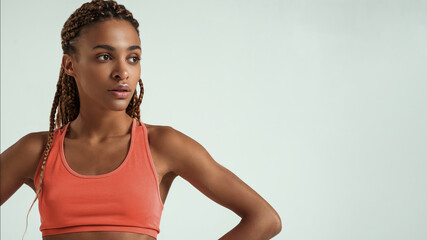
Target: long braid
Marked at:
66, 100
133, 107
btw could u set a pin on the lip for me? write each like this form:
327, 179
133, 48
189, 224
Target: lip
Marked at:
119, 94
121, 87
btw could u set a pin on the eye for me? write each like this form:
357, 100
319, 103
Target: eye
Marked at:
135, 59
104, 57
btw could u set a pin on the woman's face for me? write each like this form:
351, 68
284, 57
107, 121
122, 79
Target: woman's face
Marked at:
107, 56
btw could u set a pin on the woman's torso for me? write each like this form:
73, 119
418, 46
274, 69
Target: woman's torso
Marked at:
118, 148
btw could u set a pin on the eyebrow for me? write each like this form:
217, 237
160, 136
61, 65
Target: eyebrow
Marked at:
108, 47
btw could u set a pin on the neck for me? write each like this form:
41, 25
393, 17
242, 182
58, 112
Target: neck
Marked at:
91, 126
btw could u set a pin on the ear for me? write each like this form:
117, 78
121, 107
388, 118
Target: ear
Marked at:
67, 64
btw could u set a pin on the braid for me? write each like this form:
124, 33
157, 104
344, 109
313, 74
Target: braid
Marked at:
90, 13
133, 107
66, 100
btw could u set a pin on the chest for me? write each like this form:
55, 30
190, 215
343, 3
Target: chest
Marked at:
86, 158
95, 159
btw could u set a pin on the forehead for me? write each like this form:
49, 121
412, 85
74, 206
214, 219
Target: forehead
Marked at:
117, 33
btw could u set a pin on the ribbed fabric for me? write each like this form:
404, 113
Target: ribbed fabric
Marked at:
126, 199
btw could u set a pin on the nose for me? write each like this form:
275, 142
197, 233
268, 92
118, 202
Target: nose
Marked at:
120, 72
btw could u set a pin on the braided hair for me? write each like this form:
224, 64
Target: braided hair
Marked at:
66, 99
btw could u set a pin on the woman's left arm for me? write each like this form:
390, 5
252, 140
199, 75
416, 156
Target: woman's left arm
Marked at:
190, 160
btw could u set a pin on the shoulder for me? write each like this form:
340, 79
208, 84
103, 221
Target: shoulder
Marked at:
35, 138
24, 155
170, 140
31, 146
176, 148
163, 137
34, 141
19, 162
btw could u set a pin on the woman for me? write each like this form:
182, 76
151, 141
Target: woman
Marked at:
100, 172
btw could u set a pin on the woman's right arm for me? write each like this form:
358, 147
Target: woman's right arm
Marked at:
18, 163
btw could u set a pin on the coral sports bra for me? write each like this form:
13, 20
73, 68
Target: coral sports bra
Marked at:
125, 199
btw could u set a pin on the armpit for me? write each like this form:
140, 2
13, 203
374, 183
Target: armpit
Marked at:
30, 183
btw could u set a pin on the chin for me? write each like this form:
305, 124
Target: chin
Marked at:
118, 106
118, 109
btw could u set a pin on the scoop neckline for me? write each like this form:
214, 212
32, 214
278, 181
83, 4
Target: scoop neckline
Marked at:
65, 163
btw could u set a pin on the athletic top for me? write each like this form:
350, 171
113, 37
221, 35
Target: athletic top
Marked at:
125, 199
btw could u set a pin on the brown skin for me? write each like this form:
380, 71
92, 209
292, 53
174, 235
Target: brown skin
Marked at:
103, 124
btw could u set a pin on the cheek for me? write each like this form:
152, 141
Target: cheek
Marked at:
87, 85
90, 76
136, 73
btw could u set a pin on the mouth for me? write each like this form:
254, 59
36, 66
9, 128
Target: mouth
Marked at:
114, 90
121, 88
121, 91
123, 94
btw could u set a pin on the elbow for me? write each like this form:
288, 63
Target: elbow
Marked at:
278, 227
265, 223
269, 225
275, 225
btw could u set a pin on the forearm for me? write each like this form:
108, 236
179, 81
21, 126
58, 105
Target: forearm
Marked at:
253, 229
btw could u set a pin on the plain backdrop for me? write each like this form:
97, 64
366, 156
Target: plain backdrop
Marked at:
319, 106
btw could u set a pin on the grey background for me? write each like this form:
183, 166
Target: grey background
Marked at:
319, 106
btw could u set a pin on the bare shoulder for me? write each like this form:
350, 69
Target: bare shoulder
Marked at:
27, 151
176, 148
36, 144
19, 163
162, 140
165, 138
